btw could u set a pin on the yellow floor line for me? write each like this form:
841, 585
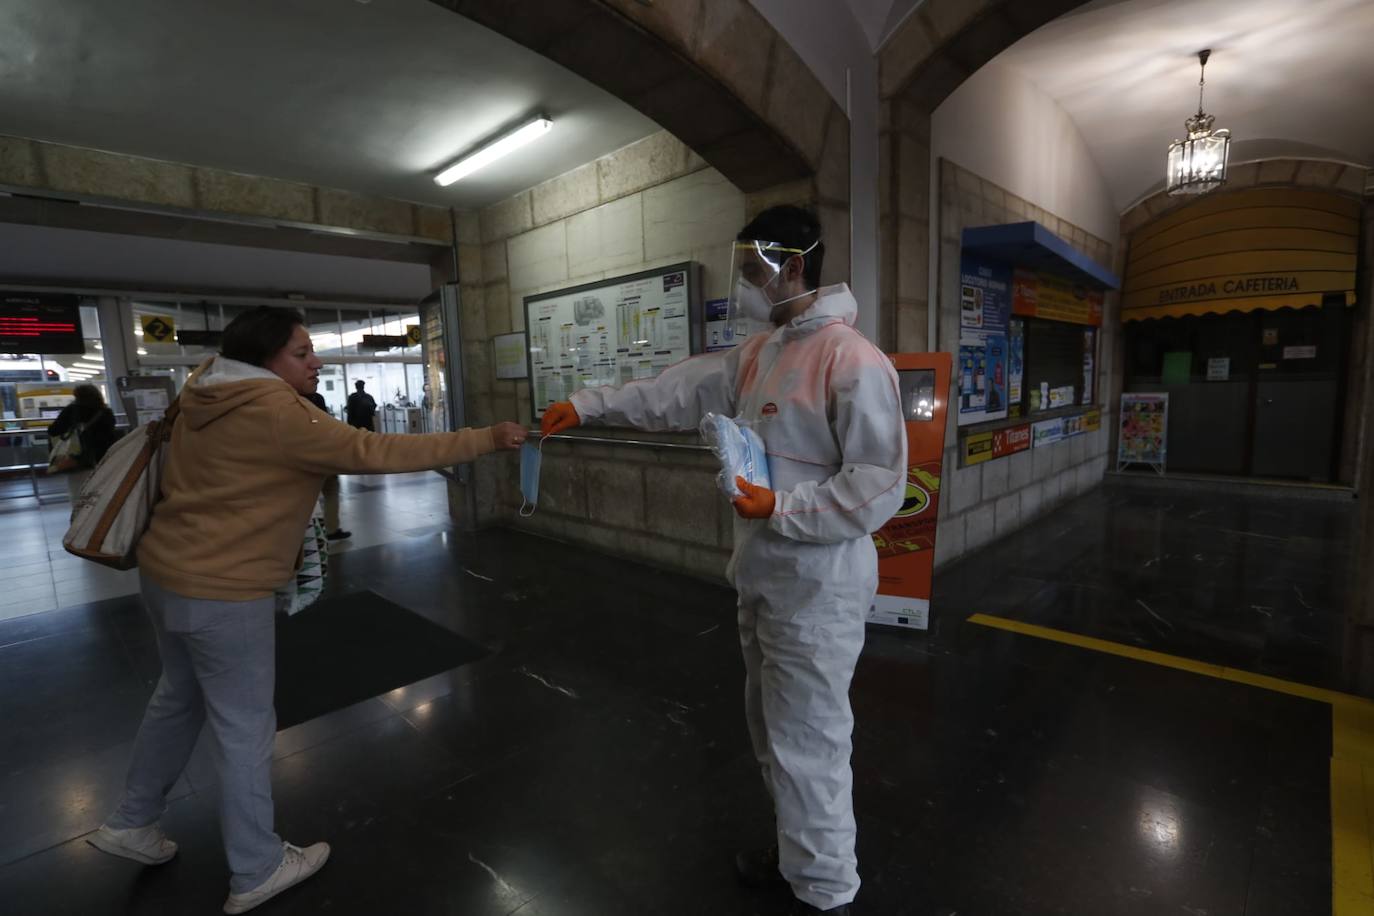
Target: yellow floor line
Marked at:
1352, 755
1263, 681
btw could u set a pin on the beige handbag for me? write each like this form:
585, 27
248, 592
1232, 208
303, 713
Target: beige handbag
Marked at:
116, 503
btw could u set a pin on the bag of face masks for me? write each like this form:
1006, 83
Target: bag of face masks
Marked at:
740, 451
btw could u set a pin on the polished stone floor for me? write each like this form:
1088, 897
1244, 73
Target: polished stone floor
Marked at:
39, 575
595, 762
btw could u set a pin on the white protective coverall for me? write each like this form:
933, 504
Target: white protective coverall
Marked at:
825, 401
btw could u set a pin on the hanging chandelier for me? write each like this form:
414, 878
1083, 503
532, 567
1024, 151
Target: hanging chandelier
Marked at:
1198, 164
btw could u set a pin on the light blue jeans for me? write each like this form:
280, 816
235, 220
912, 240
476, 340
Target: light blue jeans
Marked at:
218, 663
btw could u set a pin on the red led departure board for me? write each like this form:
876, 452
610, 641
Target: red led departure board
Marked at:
40, 323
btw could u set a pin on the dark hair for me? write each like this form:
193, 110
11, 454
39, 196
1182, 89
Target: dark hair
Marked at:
88, 396
793, 227
256, 335
359, 384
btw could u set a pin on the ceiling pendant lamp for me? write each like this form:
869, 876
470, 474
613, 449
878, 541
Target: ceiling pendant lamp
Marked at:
1198, 164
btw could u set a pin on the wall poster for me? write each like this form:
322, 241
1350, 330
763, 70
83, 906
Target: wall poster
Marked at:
1144, 431
718, 332
984, 323
1016, 365
610, 332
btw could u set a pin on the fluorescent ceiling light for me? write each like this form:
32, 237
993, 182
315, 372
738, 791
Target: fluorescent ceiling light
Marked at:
96, 366
493, 151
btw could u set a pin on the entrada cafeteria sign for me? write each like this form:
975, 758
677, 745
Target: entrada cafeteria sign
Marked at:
1233, 287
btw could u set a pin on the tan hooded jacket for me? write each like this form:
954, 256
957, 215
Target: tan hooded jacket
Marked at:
248, 457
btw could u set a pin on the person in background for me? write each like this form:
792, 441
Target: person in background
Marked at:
825, 402
330, 491
361, 409
95, 428
245, 464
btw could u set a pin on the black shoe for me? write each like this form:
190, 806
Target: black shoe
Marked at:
338, 534
758, 867
802, 908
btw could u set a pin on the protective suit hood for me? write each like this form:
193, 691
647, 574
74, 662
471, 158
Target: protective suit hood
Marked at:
833, 304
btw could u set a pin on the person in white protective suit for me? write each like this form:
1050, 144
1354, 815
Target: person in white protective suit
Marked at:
825, 402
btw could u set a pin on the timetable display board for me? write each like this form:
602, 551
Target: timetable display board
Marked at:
43, 323
610, 332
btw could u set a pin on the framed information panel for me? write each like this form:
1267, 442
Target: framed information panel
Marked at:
610, 332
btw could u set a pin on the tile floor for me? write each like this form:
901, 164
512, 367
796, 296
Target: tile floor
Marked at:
596, 761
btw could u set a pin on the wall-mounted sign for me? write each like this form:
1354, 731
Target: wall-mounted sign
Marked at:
1047, 432
40, 323
980, 447
384, 341
1219, 369
977, 448
610, 332
1044, 295
716, 329
200, 338
1177, 368
509, 353
159, 328
1299, 352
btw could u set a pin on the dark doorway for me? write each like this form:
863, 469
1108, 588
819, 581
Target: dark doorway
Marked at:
1251, 394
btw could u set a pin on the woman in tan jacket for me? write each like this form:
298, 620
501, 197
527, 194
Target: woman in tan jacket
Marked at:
248, 456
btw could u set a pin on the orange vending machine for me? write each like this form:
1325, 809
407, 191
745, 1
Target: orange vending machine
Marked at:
906, 544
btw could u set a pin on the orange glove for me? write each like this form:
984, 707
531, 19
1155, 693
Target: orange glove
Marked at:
559, 417
757, 502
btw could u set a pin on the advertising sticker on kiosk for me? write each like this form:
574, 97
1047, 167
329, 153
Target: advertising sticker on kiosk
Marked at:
906, 544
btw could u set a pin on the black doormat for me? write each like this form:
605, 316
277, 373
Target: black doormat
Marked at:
343, 650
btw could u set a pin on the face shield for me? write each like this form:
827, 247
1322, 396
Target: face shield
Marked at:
755, 269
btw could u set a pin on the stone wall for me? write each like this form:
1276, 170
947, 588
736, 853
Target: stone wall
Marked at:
987, 501
651, 204
58, 169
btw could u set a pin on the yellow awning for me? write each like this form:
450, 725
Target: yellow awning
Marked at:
1224, 306
1243, 251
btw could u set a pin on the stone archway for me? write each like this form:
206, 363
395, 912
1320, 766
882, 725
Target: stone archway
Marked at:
938, 47
716, 75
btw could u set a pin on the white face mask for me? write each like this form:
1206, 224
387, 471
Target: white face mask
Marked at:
754, 302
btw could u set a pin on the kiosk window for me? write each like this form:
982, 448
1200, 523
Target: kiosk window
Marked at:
1061, 365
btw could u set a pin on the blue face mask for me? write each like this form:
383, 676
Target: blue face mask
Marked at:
530, 456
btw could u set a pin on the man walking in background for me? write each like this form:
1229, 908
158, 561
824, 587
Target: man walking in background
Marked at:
361, 409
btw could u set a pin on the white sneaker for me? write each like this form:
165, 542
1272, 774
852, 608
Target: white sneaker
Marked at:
296, 865
148, 845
